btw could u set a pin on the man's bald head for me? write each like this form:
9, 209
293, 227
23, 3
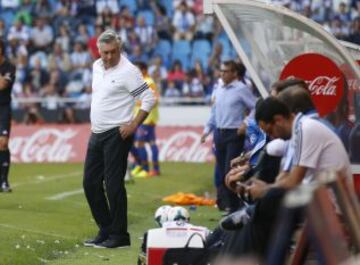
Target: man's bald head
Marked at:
297, 98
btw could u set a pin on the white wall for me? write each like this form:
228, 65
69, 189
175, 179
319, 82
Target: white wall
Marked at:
184, 115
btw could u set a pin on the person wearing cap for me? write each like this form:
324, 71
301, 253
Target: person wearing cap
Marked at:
7, 79
117, 84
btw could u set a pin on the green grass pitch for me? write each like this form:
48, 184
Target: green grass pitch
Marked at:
46, 218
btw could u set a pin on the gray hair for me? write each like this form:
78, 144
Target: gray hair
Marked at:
109, 36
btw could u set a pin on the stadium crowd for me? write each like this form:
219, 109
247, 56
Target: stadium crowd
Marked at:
53, 44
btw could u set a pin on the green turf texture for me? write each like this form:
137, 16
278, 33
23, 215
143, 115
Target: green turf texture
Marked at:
37, 230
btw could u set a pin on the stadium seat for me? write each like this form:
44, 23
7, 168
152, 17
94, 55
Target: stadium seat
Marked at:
163, 48
181, 51
203, 46
131, 4
168, 4
148, 15
201, 51
8, 16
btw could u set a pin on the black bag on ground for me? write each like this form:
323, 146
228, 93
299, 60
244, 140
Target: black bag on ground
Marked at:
187, 255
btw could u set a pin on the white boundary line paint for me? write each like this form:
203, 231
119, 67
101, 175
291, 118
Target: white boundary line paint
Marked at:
63, 195
35, 231
47, 179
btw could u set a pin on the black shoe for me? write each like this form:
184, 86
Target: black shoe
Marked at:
113, 243
5, 188
101, 237
235, 220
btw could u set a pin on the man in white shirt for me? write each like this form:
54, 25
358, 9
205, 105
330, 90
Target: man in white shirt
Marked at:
316, 147
116, 85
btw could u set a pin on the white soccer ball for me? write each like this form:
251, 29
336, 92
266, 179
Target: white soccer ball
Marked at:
178, 213
161, 214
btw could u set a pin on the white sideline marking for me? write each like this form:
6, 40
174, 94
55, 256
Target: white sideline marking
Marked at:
47, 179
63, 195
36, 232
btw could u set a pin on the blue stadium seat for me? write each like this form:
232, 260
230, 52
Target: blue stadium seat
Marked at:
131, 4
203, 46
163, 48
148, 15
8, 16
201, 51
181, 51
168, 4
202, 57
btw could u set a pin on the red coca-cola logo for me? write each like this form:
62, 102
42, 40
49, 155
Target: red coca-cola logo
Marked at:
44, 145
68, 143
184, 146
323, 76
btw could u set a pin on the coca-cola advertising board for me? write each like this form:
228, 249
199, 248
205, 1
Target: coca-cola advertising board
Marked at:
62, 143
323, 76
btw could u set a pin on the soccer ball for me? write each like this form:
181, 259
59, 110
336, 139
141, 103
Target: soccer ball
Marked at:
178, 213
161, 214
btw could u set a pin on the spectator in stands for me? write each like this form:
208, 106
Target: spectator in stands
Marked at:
59, 59
158, 73
171, 91
177, 74
37, 77
204, 27
121, 27
10, 5
15, 49
50, 93
41, 36
177, 3
146, 35
91, 45
82, 34
24, 12
138, 54
339, 29
105, 18
56, 84
132, 41
111, 5
86, 11
80, 59
112, 125
192, 87
355, 31
63, 38
343, 13
64, 14
43, 9
162, 23
84, 99
129, 19
19, 31
183, 23
355, 5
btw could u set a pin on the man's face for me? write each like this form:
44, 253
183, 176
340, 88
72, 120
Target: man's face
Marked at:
280, 127
110, 54
227, 74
